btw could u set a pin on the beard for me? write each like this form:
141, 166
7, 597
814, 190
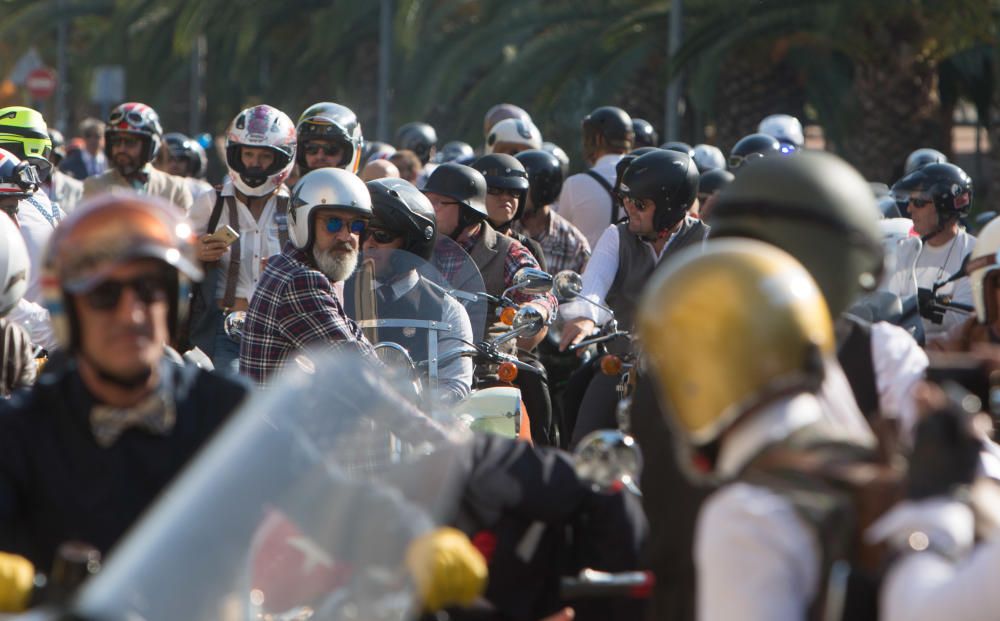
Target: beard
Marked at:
126, 165
337, 266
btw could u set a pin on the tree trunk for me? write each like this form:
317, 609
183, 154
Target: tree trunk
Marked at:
898, 110
752, 84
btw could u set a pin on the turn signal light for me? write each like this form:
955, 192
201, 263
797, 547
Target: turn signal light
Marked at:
611, 365
507, 372
507, 316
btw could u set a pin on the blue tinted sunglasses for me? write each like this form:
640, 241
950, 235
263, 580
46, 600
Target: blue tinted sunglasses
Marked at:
334, 224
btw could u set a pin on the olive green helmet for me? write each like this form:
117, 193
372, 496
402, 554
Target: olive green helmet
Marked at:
816, 207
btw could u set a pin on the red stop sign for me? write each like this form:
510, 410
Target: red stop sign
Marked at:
41, 83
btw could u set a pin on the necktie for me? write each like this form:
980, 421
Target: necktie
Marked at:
156, 414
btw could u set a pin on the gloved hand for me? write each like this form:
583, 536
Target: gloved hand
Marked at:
17, 576
447, 569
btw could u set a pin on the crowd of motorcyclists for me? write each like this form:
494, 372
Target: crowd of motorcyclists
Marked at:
807, 359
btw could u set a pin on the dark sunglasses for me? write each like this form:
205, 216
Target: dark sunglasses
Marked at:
149, 288
637, 203
382, 236
313, 148
335, 224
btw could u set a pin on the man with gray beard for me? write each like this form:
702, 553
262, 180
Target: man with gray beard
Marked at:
297, 302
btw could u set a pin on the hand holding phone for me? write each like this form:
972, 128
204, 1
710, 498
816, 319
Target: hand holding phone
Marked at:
225, 234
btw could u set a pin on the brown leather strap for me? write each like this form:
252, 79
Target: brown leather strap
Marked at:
233, 275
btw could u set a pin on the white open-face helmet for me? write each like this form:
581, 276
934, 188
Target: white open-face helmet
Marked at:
324, 188
984, 263
514, 131
785, 127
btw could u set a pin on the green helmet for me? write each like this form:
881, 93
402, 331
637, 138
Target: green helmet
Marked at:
816, 207
24, 133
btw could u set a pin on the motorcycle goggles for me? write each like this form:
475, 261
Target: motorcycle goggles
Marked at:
735, 161
23, 181
132, 117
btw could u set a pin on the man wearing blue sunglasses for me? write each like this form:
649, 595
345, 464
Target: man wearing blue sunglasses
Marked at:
298, 300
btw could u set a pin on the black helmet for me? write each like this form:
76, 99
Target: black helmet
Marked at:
504, 171
419, 138
400, 208
180, 146
613, 124
376, 150
627, 159
680, 147
669, 179
455, 151
645, 135
946, 185
557, 151
815, 207
545, 176
338, 124
58, 144
463, 184
714, 179
752, 147
922, 157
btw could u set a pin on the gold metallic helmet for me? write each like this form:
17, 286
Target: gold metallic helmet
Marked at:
727, 328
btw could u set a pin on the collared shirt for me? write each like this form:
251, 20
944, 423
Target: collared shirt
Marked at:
293, 307
454, 378
565, 247
518, 258
600, 275
585, 203
258, 238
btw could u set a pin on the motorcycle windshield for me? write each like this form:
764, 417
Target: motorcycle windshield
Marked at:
901, 253
464, 281
415, 317
301, 507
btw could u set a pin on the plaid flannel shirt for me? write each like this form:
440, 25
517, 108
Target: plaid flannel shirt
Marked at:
565, 247
294, 306
517, 258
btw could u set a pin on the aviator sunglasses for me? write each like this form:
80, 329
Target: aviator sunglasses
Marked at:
334, 224
148, 288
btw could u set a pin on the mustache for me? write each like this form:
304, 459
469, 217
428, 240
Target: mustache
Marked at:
342, 246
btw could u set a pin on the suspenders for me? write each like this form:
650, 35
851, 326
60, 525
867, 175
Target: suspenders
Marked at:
233, 273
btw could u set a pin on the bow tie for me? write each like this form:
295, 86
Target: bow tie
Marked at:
155, 414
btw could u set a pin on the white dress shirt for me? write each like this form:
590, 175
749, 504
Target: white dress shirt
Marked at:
258, 240
585, 203
756, 559
454, 378
600, 274
900, 364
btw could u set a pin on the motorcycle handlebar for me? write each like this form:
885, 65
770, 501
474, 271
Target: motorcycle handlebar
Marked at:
593, 583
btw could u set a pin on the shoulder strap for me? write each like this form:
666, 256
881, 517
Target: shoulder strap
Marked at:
593, 174
213, 220
233, 275
855, 355
281, 219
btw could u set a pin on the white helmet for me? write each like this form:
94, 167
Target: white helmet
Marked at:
785, 128
263, 127
14, 265
982, 262
707, 157
514, 131
324, 188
